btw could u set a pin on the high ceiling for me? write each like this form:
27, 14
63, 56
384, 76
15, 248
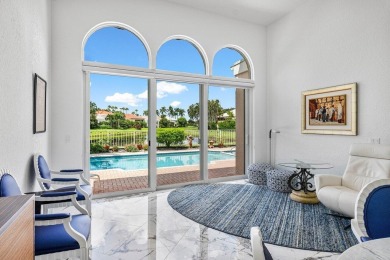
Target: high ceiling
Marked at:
261, 12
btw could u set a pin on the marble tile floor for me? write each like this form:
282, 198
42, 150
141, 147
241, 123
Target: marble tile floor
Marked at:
144, 226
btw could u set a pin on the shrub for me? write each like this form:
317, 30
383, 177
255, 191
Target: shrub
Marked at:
212, 126
138, 126
181, 122
170, 136
227, 124
146, 147
96, 148
115, 148
131, 148
164, 122
103, 126
125, 124
192, 123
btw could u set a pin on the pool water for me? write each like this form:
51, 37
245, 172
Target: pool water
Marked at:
140, 161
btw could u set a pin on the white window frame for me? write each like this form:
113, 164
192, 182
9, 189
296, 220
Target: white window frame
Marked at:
154, 75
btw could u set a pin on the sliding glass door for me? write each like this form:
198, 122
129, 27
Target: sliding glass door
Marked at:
178, 133
118, 133
226, 131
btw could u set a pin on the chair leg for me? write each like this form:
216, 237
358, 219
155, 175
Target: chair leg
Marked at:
89, 208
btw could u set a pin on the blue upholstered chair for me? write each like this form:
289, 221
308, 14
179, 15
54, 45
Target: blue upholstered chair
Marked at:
259, 250
57, 236
46, 178
372, 211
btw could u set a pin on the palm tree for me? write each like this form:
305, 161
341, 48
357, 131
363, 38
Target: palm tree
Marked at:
193, 112
181, 112
177, 112
163, 110
125, 109
157, 112
171, 112
146, 112
215, 110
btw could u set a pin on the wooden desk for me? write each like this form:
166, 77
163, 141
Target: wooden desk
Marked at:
17, 227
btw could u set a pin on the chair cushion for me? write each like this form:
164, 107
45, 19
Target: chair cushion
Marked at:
362, 170
44, 170
339, 198
72, 170
40, 217
9, 186
65, 179
370, 150
87, 188
51, 239
377, 213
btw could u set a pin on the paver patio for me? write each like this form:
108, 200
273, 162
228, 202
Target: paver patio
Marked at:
114, 180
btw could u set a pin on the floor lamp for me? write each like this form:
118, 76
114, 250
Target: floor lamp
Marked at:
270, 143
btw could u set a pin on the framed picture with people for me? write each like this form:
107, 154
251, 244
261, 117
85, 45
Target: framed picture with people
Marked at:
331, 110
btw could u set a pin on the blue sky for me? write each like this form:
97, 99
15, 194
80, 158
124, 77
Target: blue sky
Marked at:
112, 45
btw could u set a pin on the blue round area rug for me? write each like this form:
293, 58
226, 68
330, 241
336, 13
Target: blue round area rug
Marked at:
235, 208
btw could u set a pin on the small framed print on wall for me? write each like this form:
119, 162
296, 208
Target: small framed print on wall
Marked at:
330, 111
39, 105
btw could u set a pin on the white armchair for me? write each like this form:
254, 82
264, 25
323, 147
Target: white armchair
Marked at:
367, 162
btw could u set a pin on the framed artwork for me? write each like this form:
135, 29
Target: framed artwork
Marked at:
39, 105
330, 111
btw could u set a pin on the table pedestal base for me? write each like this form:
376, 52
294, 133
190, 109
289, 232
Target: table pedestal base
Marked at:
306, 198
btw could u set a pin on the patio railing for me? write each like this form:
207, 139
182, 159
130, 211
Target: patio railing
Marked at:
123, 138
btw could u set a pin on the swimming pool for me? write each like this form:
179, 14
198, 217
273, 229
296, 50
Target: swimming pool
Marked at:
140, 161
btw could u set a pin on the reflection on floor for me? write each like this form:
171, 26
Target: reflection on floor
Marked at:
144, 226
120, 180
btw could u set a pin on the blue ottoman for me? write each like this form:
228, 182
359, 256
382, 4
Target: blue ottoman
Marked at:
277, 180
257, 173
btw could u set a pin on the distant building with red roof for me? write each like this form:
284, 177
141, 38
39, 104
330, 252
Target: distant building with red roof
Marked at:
101, 115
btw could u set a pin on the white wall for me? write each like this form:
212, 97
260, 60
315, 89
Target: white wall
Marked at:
24, 50
156, 21
321, 44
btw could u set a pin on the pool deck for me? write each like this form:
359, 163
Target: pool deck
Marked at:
114, 180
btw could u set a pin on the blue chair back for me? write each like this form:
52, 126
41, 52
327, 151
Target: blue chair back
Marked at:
8, 186
377, 213
44, 170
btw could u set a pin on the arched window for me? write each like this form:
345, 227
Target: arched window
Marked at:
230, 63
229, 102
116, 45
130, 107
180, 55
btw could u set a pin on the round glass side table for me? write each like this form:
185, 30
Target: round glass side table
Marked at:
303, 190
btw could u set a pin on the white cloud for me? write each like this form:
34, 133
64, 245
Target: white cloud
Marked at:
164, 88
175, 103
129, 98
143, 95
